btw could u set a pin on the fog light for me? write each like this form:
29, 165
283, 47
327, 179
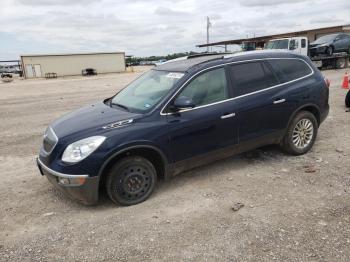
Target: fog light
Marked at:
63, 181
77, 181
71, 181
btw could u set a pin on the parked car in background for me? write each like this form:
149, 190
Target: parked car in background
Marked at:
184, 114
89, 72
330, 44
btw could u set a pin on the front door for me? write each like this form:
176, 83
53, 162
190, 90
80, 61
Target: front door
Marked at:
210, 125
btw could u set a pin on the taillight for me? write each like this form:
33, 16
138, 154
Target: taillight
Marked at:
328, 83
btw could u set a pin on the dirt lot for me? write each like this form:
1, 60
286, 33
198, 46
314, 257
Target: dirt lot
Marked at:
295, 208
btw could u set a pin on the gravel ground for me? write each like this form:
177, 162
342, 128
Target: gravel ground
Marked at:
295, 208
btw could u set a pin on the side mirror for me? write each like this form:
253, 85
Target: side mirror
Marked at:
183, 102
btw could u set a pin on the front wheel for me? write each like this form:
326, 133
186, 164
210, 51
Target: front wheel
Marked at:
301, 134
330, 50
131, 180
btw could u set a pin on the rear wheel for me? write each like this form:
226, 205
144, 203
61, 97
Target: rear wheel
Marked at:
131, 180
301, 134
347, 99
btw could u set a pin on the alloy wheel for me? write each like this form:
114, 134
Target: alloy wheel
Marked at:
303, 133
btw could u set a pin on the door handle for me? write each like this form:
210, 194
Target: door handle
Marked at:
279, 101
228, 116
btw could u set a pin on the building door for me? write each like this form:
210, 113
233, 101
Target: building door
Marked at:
29, 71
37, 70
33, 71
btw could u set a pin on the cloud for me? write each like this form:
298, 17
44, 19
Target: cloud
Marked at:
325, 20
152, 27
55, 2
254, 3
165, 11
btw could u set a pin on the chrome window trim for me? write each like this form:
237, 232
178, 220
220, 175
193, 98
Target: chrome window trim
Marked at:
58, 174
56, 138
234, 98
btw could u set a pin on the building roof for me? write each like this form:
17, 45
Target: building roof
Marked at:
72, 54
339, 28
186, 63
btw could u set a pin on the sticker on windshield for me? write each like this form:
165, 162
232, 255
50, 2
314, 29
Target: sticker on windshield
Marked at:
147, 105
175, 75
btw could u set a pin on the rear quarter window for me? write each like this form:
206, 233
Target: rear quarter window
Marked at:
289, 69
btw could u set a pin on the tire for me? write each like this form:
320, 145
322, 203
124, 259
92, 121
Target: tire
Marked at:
341, 63
299, 129
347, 99
330, 50
131, 180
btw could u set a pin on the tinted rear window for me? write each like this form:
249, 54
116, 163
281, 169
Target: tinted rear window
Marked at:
289, 69
251, 77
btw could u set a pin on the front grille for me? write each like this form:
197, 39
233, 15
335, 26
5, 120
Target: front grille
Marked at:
50, 140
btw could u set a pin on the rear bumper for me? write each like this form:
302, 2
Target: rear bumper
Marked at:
87, 193
324, 114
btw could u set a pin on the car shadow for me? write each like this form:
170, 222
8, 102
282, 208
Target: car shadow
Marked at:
267, 154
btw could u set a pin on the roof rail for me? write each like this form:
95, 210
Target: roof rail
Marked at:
206, 54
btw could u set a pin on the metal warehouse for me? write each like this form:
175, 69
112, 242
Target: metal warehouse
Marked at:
72, 64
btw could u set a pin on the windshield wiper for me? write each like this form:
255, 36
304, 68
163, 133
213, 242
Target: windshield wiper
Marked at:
120, 105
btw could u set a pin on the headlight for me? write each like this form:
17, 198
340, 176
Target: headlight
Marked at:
79, 150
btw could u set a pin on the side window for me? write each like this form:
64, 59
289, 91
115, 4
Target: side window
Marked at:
251, 77
207, 88
289, 69
293, 44
303, 43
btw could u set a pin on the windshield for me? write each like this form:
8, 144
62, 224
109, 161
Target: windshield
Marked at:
325, 39
278, 44
146, 91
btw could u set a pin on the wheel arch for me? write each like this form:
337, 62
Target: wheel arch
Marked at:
312, 108
151, 153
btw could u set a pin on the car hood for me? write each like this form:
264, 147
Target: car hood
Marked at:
89, 119
313, 44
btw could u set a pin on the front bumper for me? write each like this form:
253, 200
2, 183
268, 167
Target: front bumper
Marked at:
318, 50
86, 193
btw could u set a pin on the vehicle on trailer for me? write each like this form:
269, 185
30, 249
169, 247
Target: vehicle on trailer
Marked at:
330, 44
300, 45
181, 115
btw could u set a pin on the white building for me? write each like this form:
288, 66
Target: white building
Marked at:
72, 64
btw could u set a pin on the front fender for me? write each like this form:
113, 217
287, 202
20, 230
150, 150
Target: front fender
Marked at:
144, 144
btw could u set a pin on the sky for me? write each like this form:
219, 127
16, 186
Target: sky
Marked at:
152, 27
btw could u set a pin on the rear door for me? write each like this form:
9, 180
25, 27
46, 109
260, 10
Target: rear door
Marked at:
210, 125
266, 99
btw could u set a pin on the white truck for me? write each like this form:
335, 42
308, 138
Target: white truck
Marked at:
300, 45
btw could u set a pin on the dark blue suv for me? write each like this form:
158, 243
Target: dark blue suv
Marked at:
182, 114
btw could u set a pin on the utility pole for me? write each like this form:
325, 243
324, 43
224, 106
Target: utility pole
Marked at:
208, 26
